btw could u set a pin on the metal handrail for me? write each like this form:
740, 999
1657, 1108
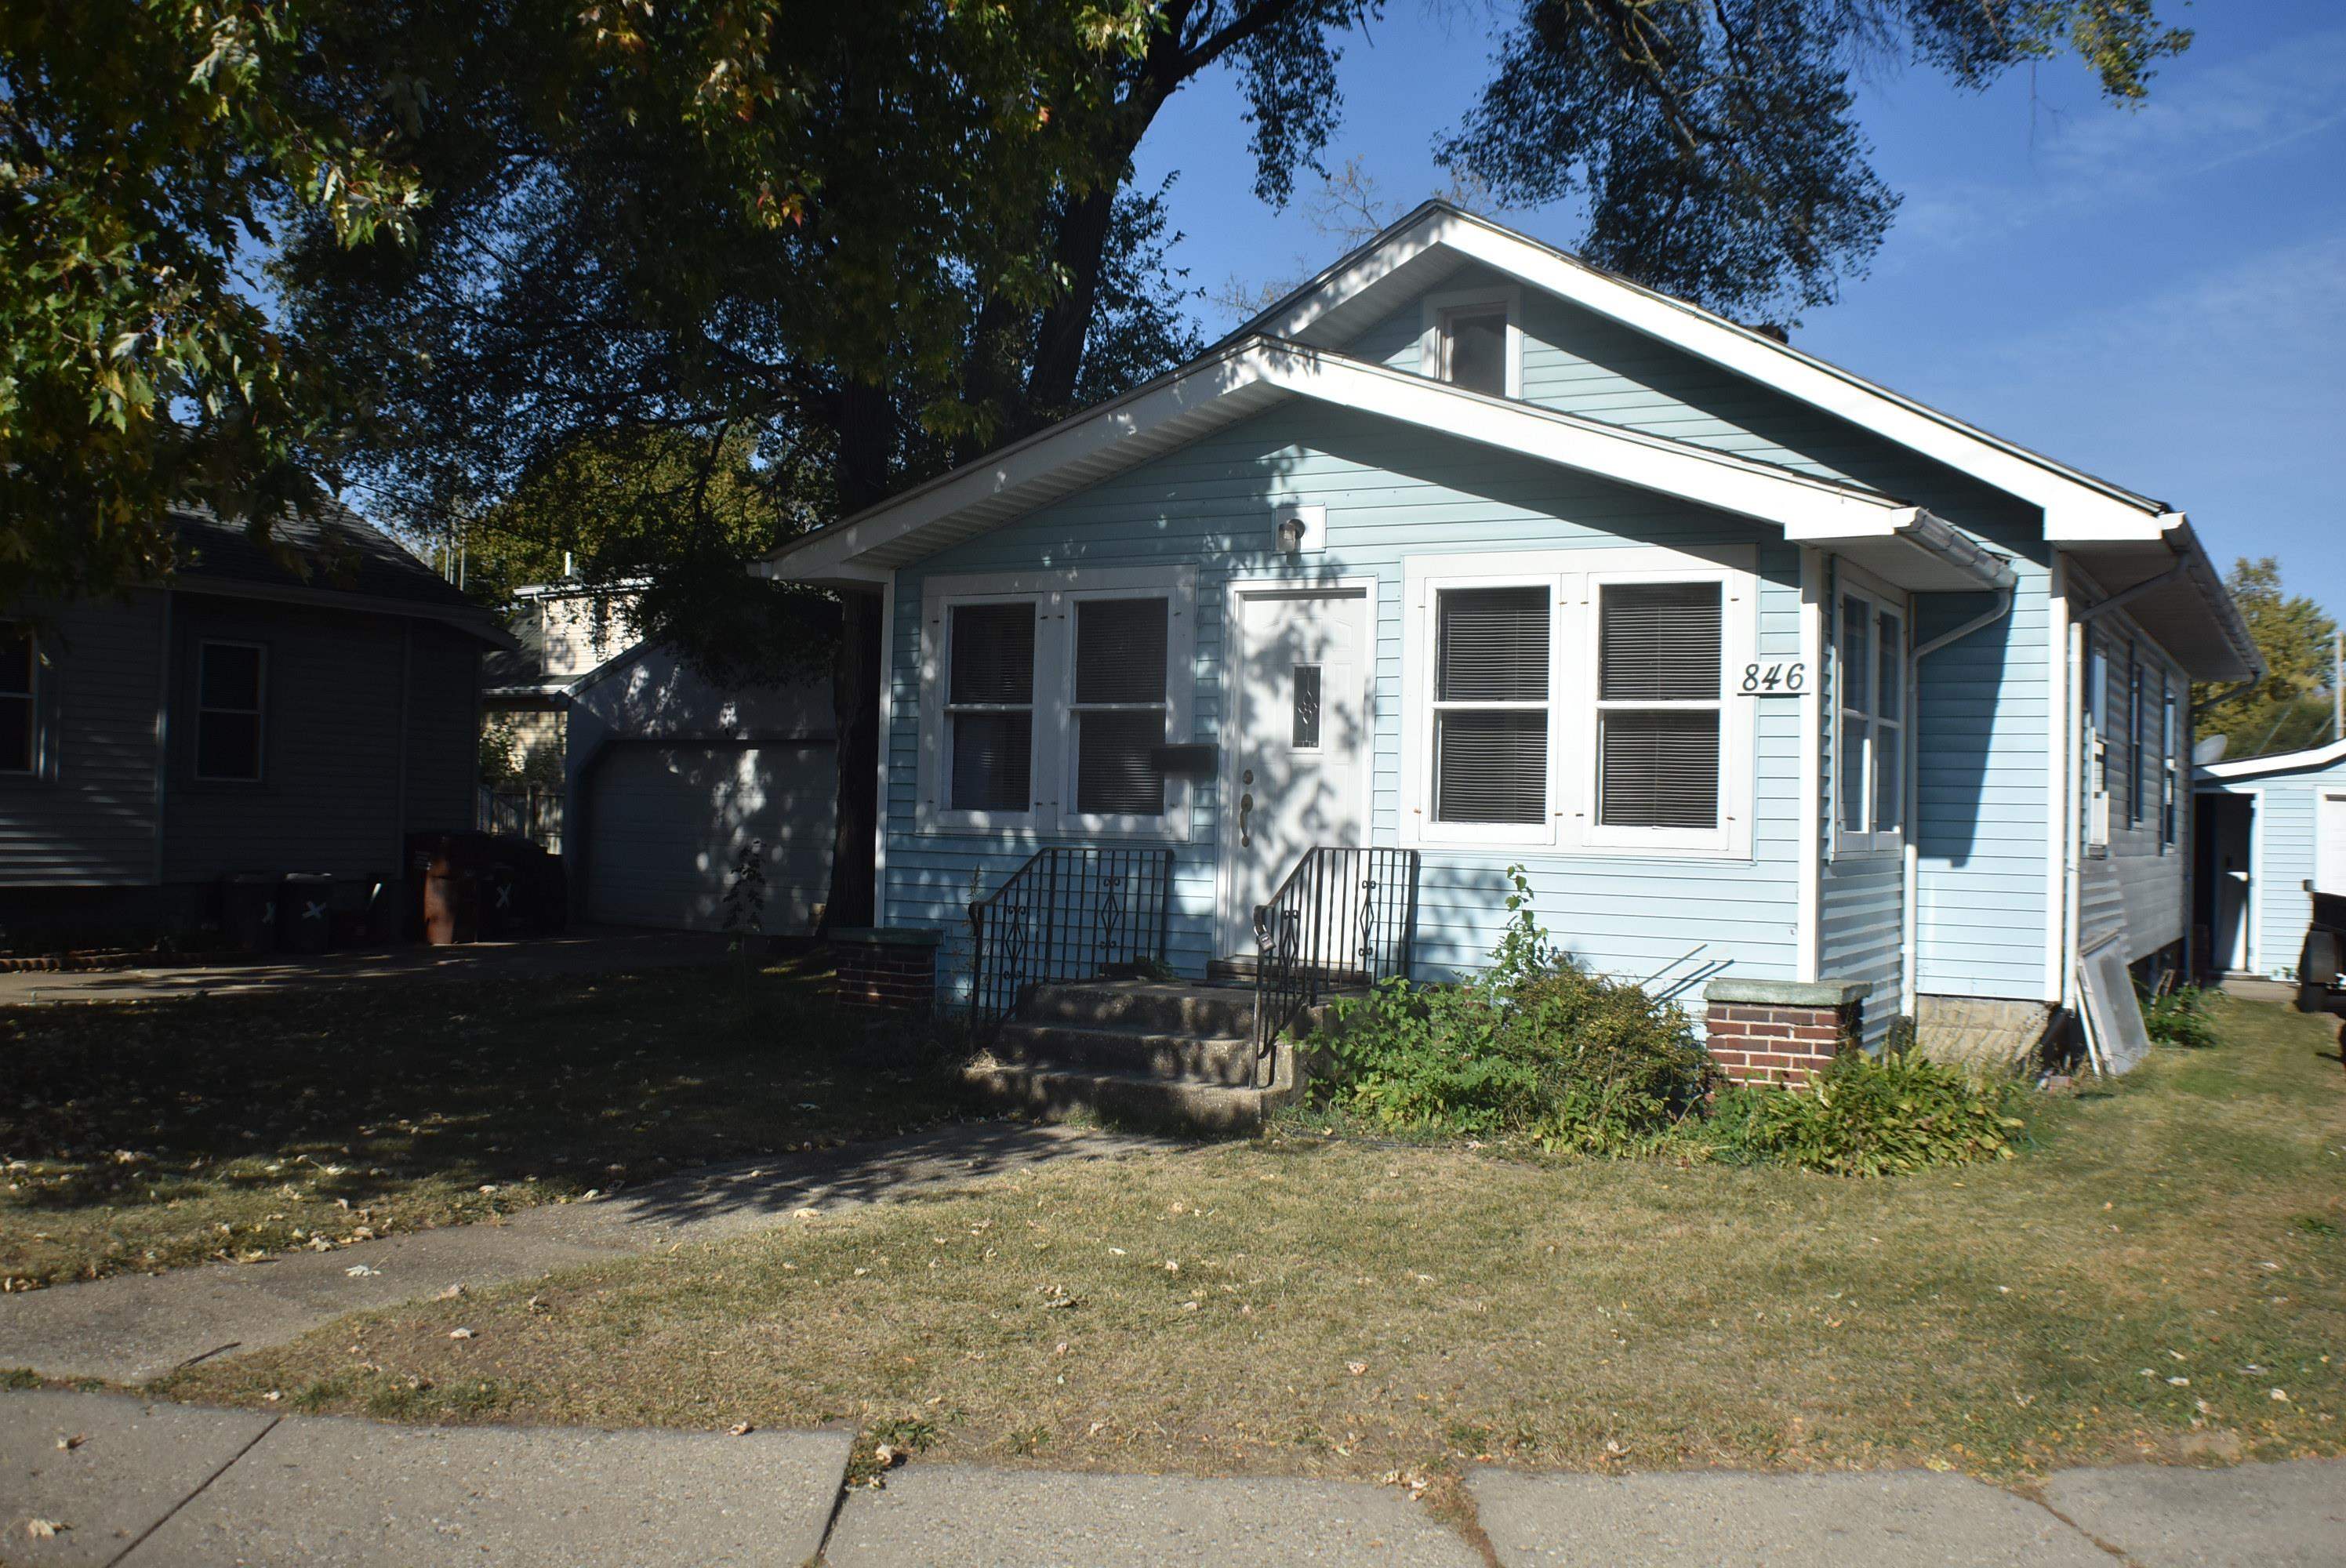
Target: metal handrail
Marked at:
1344, 918
1070, 912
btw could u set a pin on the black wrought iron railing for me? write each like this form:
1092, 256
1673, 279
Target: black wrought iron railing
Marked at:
1070, 912
1343, 918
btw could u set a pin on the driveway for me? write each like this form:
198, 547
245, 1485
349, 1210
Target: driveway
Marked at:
585, 951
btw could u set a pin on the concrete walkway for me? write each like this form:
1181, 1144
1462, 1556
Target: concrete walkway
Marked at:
133, 1328
99, 1479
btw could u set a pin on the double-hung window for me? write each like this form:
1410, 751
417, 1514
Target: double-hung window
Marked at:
1121, 705
1575, 700
1491, 704
1047, 698
1870, 737
1659, 705
2170, 741
20, 711
2137, 754
990, 708
2097, 745
231, 681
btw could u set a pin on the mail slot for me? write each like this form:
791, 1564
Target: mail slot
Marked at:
1193, 759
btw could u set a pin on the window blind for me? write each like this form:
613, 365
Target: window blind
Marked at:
1493, 645
993, 653
1120, 650
1659, 642
1120, 706
993, 761
1491, 766
1658, 768
1114, 776
993, 670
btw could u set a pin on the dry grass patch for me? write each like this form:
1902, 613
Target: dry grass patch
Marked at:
149, 1135
2139, 1284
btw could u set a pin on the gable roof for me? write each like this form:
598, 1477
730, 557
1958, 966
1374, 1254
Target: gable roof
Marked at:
2315, 757
1247, 375
334, 558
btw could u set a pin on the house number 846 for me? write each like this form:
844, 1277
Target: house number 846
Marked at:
1781, 679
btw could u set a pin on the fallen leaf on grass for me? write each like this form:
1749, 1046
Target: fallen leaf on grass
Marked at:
1356, 1367
453, 1291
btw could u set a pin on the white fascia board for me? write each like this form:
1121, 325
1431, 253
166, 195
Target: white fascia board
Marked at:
2075, 505
2278, 762
1822, 509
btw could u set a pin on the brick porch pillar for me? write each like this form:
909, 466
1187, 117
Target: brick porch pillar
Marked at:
888, 969
1779, 1031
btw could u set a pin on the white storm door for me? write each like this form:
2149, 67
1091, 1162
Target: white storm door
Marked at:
1299, 741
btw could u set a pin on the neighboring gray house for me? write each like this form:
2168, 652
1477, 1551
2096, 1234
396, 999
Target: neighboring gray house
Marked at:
671, 779
246, 717
2270, 828
562, 631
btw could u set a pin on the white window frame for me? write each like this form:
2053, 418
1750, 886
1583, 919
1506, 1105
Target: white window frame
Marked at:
31, 698
259, 713
2171, 762
942, 732
1879, 599
1435, 312
2093, 724
1051, 766
1576, 577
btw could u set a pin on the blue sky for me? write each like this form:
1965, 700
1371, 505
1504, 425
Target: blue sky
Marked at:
2157, 296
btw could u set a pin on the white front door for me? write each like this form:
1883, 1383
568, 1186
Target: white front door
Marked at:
2330, 838
1297, 732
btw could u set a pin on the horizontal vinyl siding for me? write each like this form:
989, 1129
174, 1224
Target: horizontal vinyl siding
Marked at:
2283, 860
2134, 892
92, 823
1983, 757
1391, 492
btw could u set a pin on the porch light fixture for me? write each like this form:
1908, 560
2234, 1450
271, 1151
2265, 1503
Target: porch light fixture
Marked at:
1295, 528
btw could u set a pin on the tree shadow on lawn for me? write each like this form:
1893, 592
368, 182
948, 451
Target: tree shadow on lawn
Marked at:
134, 1133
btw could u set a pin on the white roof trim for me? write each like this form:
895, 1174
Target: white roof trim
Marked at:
2278, 762
2076, 505
1810, 509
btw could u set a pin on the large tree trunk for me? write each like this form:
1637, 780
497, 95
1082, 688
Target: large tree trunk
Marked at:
866, 427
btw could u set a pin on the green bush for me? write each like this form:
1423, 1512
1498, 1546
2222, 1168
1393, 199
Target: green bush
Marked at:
2179, 1017
1870, 1116
1536, 1047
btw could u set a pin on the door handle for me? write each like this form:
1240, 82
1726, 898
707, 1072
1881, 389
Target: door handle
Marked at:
1246, 809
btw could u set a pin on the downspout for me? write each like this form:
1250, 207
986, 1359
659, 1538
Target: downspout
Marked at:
1912, 803
1809, 959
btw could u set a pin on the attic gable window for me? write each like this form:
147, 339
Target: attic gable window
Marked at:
20, 749
1474, 348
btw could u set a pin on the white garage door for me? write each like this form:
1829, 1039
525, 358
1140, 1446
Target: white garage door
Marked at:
667, 824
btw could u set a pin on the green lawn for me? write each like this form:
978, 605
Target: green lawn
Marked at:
154, 1134
2137, 1283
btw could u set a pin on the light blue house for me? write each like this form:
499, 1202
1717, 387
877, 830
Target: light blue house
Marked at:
2272, 830
1784, 688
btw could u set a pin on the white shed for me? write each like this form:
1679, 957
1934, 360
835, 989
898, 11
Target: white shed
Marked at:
670, 781
2271, 829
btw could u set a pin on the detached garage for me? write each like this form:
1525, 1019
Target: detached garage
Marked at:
670, 781
2271, 833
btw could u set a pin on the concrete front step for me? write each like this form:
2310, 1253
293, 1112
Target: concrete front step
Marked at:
1172, 1007
1136, 1097
1121, 1048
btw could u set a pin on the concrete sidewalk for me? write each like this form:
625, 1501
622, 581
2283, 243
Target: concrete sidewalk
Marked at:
133, 1328
102, 1479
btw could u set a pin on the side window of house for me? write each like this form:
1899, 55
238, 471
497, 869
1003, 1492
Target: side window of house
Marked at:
1870, 745
2170, 761
231, 681
2097, 744
990, 706
2137, 792
1658, 703
1120, 706
1474, 348
20, 711
1491, 705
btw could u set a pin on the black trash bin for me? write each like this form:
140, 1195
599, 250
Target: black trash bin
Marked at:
305, 912
248, 910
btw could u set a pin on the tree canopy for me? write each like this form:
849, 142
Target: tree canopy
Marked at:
2291, 707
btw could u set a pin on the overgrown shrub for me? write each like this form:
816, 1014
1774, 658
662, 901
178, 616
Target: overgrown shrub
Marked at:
1536, 1047
2179, 1017
1870, 1116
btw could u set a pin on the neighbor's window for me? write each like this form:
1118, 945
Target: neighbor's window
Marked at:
1120, 706
1658, 706
2171, 762
20, 749
1491, 705
1474, 348
990, 706
1871, 688
230, 677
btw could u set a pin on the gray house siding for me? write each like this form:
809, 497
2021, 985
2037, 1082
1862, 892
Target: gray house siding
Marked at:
2132, 891
1390, 493
88, 820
